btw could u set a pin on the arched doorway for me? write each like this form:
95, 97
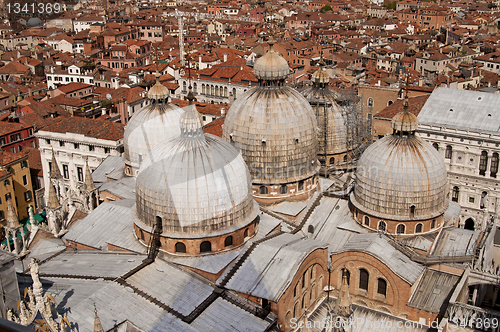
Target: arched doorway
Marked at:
469, 224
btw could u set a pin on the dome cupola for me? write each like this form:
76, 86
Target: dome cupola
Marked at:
199, 186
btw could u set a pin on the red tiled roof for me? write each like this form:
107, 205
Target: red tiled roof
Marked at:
34, 161
89, 127
415, 104
73, 86
7, 158
10, 127
214, 127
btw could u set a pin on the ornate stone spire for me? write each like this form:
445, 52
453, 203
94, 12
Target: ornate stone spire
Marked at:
55, 173
12, 220
53, 202
344, 302
89, 183
190, 121
97, 322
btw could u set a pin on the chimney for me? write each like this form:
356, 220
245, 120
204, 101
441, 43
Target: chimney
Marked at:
52, 69
225, 57
222, 111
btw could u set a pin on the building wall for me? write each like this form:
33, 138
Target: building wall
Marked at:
463, 170
21, 180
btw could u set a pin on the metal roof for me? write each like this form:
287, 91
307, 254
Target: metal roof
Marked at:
110, 222
462, 109
378, 246
455, 241
269, 269
111, 167
432, 290
123, 188
46, 247
289, 208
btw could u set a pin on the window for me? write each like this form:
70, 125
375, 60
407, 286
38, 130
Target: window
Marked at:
76, 145
483, 163
19, 148
283, 189
301, 185
27, 195
400, 229
382, 287
454, 194
24, 164
13, 149
332, 160
382, 226
412, 211
263, 190
25, 180
370, 102
180, 247
448, 152
80, 173
433, 223
228, 241
367, 221
2, 214
471, 199
91, 148
494, 165
436, 146
245, 234
363, 279
106, 150
47, 141
205, 246
65, 171
418, 228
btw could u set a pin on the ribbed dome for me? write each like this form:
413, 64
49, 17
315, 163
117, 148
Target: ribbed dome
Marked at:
149, 127
271, 66
332, 132
275, 128
397, 172
320, 76
404, 121
34, 22
197, 183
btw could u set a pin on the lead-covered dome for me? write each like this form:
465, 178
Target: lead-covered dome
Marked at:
401, 177
154, 124
198, 184
275, 128
332, 126
271, 66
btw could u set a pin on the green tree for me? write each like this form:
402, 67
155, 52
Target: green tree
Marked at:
390, 4
326, 8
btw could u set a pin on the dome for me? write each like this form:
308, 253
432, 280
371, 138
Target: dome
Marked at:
158, 91
332, 133
271, 66
401, 178
275, 129
404, 121
198, 184
34, 22
156, 123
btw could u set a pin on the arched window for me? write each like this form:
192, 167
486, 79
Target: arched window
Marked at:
436, 146
234, 93
332, 160
228, 241
263, 190
400, 229
382, 226
483, 163
494, 165
412, 211
304, 301
296, 310
363, 279
418, 228
295, 290
382, 287
301, 185
205, 246
345, 158
180, 247
216, 90
367, 221
448, 154
469, 224
370, 102
195, 87
203, 89
389, 103
454, 194
310, 229
184, 86
283, 189
245, 233
225, 91
433, 223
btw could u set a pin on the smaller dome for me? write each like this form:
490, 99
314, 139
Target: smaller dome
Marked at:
320, 76
34, 22
404, 121
271, 66
158, 91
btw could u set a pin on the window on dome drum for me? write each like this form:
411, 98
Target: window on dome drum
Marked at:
494, 165
345, 158
382, 226
245, 234
301, 185
436, 146
363, 279
433, 223
283, 189
382, 287
400, 229
180, 247
454, 194
418, 228
228, 241
483, 163
412, 211
448, 153
332, 161
205, 246
263, 190
367, 221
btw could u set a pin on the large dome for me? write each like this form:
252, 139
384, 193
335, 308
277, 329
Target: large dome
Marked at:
156, 123
198, 184
332, 133
271, 66
401, 177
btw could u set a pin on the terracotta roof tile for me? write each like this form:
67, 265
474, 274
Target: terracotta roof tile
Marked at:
89, 127
415, 104
214, 127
